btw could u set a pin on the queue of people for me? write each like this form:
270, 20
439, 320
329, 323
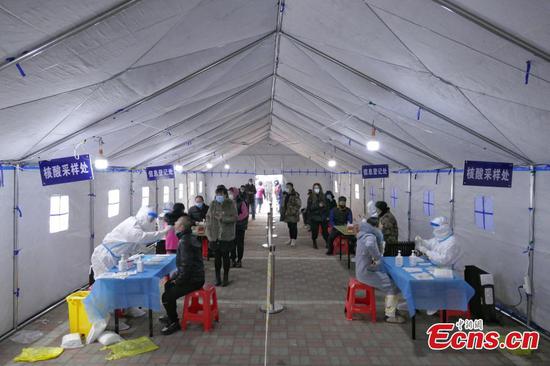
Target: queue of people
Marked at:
226, 222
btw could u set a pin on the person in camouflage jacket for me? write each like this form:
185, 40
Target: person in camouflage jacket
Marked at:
387, 223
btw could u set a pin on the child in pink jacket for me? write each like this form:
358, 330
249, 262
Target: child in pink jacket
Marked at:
172, 241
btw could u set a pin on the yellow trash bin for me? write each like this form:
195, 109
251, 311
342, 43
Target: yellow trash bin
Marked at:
78, 318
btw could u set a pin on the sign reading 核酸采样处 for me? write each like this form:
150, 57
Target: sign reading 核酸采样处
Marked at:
488, 174
65, 170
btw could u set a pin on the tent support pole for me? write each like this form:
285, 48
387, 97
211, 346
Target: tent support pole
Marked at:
485, 24
187, 188
15, 247
532, 180
383, 188
131, 192
92, 217
71, 32
350, 191
364, 198
452, 200
156, 196
409, 210
407, 98
175, 190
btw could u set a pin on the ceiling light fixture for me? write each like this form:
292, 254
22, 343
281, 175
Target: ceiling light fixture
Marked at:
101, 163
373, 144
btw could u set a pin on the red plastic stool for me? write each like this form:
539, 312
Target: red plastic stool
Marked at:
340, 242
201, 306
360, 305
455, 313
205, 248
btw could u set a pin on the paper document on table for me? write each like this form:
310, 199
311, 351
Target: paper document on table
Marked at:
412, 269
422, 276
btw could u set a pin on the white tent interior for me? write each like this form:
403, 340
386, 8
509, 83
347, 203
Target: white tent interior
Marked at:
280, 87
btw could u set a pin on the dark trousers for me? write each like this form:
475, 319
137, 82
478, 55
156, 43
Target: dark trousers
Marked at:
238, 249
315, 229
252, 203
221, 256
292, 229
333, 235
172, 292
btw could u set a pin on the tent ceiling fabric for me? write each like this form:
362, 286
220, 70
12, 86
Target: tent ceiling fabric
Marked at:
200, 81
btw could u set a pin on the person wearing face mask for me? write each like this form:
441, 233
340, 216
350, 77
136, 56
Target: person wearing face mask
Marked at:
290, 212
250, 190
189, 276
370, 270
129, 237
331, 202
197, 213
317, 209
278, 191
241, 226
339, 215
442, 250
221, 220
387, 222
170, 218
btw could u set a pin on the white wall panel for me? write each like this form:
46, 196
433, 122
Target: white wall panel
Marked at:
104, 182
51, 265
399, 182
6, 253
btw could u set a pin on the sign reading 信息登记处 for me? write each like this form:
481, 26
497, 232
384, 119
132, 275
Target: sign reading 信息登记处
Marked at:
375, 171
160, 172
66, 170
488, 174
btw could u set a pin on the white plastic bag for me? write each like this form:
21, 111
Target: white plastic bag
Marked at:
98, 327
109, 338
72, 340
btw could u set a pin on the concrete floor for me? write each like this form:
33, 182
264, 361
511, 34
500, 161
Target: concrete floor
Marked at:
311, 331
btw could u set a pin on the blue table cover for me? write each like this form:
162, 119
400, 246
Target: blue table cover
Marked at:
438, 293
139, 290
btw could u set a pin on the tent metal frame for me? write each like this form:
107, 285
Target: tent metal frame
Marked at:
489, 26
370, 124
407, 98
151, 96
185, 120
69, 33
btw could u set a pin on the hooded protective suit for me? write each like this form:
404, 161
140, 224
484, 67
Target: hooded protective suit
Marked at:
442, 250
128, 238
371, 209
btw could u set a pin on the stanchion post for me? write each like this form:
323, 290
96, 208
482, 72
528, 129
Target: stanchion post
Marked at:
271, 306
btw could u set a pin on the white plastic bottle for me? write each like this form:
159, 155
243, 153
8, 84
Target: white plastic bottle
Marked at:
139, 265
399, 259
122, 265
412, 259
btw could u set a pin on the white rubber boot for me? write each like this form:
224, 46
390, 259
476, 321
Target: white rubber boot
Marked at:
293, 242
288, 242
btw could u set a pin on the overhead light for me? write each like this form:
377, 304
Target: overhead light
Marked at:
373, 144
101, 163
448, 9
332, 163
208, 165
178, 168
226, 166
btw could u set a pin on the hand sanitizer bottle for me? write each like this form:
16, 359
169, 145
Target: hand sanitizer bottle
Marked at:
139, 265
399, 259
412, 259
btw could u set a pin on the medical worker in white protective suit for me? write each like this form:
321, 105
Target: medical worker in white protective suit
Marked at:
130, 237
442, 250
369, 268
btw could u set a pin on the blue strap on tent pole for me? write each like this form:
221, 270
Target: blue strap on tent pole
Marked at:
527, 71
21, 71
437, 177
1, 176
19, 211
282, 7
418, 113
